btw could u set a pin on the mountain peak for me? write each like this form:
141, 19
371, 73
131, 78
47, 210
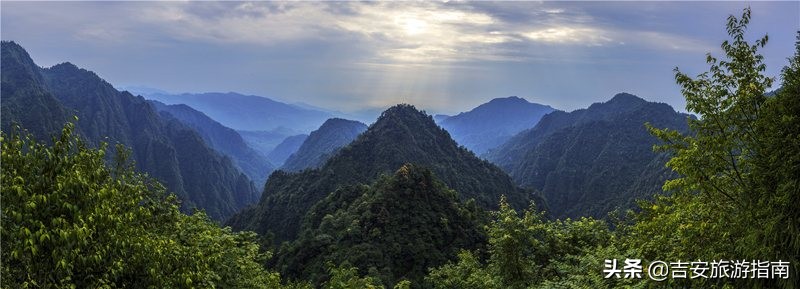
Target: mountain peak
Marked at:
510, 100
620, 103
491, 124
626, 97
402, 110
333, 122
13, 46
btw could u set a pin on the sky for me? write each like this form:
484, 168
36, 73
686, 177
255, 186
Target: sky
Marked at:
445, 57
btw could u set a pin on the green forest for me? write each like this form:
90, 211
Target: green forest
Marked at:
80, 215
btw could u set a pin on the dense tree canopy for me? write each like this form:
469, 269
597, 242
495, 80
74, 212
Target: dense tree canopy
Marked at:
71, 221
394, 229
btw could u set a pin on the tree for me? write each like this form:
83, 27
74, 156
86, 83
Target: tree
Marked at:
528, 251
738, 187
71, 221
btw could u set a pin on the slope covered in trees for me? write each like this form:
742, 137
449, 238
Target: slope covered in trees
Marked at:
71, 221
393, 230
590, 161
165, 148
322, 143
401, 135
493, 123
223, 139
25, 98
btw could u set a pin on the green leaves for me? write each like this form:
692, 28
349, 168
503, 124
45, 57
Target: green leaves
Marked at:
68, 221
528, 251
738, 167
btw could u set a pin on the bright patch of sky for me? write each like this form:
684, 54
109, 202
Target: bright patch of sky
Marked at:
441, 56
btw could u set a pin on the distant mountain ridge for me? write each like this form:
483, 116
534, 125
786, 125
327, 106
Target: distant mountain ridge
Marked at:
493, 123
248, 112
590, 161
223, 139
322, 143
42, 99
401, 135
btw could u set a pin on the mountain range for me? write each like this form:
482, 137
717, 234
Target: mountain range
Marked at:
43, 99
248, 112
402, 134
594, 160
399, 196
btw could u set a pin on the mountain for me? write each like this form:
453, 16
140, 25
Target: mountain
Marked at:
401, 135
223, 139
264, 142
322, 143
591, 161
25, 97
286, 148
493, 123
43, 98
248, 112
397, 228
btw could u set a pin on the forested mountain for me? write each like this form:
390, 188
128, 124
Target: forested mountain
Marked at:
493, 123
165, 148
590, 161
25, 97
248, 112
322, 143
402, 134
223, 139
396, 228
286, 148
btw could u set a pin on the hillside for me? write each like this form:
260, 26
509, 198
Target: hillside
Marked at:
591, 161
404, 224
401, 135
286, 148
222, 139
164, 148
322, 143
493, 123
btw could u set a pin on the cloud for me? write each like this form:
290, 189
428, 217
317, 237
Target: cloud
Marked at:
383, 32
570, 35
342, 53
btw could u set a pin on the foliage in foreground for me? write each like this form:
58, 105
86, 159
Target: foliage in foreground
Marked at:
736, 197
71, 221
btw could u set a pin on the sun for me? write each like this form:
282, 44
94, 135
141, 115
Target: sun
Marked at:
412, 25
